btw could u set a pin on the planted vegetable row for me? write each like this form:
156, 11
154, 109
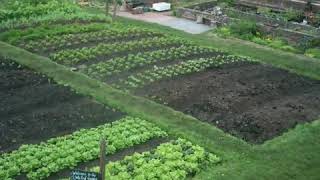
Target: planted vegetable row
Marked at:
191, 66
76, 56
49, 19
110, 35
39, 161
20, 37
173, 160
26, 10
119, 64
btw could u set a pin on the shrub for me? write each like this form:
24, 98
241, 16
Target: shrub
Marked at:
244, 29
290, 49
223, 31
293, 15
313, 52
259, 40
263, 10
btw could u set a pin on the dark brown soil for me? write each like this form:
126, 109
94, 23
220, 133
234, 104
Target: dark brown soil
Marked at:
33, 109
252, 101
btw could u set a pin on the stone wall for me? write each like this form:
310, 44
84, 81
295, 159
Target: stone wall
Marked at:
293, 32
195, 15
281, 4
293, 37
273, 21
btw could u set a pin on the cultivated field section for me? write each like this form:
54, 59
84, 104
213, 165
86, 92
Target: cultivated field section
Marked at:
64, 129
251, 101
167, 107
243, 97
33, 108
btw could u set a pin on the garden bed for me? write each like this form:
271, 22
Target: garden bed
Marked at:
33, 108
151, 144
252, 101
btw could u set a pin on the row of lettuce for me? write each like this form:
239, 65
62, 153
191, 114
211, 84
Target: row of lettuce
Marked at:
39, 161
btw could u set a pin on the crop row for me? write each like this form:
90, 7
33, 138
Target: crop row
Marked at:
25, 10
39, 161
50, 19
74, 56
140, 59
187, 67
67, 40
174, 160
20, 37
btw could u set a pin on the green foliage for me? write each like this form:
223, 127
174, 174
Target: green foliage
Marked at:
18, 36
313, 52
191, 66
263, 10
177, 159
293, 15
52, 43
244, 29
29, 13
75, 56
41, 160
35, 8
120, 64
248, 31
223, 31
53, 18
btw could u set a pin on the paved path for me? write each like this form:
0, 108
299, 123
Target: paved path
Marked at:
166, 20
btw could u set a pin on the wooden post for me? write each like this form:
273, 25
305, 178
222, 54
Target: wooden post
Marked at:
102, 158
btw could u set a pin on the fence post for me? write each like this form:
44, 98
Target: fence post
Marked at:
102, 158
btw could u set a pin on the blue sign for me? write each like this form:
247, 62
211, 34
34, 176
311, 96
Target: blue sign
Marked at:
84, 175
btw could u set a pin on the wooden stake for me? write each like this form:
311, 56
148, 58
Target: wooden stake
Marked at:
102, 158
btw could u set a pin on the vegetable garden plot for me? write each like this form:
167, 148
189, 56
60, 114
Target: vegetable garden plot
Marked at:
23, 14
51, 44
38, 161
177, 159
32, 108
252, 101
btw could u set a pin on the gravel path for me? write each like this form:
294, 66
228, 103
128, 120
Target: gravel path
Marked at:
167, 20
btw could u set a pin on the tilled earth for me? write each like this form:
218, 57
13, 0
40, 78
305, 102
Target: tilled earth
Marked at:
252, 101
33, 108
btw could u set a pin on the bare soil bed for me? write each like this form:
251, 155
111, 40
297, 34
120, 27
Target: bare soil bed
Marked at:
33, 108
252, 101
